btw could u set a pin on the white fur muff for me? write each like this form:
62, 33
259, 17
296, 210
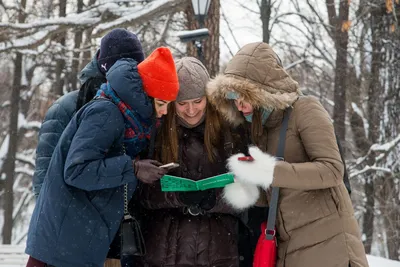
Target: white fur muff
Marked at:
249, 175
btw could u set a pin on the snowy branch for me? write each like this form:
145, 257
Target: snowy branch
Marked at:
25, 159
370, 169
294, 64
386, 147
5, 104
32, 125
18, 209
103, 18
376, 148
24, 171
152, 10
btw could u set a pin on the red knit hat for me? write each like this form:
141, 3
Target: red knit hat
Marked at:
159, 76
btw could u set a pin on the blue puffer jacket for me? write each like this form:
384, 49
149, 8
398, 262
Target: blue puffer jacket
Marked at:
57, 118
80, 206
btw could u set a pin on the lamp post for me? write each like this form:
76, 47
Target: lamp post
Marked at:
200, 8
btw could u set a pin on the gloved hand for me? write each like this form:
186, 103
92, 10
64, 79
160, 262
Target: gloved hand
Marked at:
148, 170
259, 172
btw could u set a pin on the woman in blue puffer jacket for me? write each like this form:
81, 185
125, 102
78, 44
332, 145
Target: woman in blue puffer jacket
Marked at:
80, 206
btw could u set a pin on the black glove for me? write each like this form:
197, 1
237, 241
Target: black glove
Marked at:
148, 170
203, 199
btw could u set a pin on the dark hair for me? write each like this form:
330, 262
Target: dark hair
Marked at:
257, 129
88, 90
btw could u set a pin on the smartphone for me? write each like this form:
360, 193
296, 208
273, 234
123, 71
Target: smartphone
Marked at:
170, 166
247, 158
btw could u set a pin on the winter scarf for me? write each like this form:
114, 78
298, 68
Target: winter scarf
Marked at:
136, 129
249, 118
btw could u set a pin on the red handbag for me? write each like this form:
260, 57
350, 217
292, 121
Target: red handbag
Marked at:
266, 250
265, 253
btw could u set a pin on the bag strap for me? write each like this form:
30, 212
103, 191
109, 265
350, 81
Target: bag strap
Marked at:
273, 206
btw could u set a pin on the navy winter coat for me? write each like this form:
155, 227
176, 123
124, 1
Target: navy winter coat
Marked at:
57, 118
80, 206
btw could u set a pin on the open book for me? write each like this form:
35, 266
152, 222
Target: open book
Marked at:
171, 183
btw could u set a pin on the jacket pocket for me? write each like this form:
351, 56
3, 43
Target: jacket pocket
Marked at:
328, 204
300, 208
335, 197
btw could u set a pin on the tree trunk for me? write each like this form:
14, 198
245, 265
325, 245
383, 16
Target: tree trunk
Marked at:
374, 109
87, 55
390, 189
73, 77
60, 62
9, 165
388, 205
368, 220
265, 13
341, 43
211, 44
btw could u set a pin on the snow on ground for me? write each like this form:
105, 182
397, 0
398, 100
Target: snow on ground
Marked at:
13, 256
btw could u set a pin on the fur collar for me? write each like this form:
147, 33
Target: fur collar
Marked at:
256, 74
258, 95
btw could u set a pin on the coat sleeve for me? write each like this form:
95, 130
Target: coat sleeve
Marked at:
325, 168
86, 165
54, 123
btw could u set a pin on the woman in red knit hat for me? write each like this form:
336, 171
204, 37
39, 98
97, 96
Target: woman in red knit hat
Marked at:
158, 74
94, 169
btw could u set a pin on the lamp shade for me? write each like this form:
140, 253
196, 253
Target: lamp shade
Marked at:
201, 7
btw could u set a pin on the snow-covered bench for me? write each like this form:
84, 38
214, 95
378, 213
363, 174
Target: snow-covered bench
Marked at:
12, 256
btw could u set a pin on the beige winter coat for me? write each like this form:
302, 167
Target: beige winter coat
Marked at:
315, 222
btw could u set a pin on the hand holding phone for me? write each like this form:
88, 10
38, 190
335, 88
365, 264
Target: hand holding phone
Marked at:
170, 166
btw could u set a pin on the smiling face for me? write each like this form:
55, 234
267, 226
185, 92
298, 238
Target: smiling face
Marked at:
192, 110
245, 107
161, 107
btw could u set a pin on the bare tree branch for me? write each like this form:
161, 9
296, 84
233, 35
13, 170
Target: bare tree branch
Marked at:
330, 29
27, 160
105, 16
368, 169
229, 27
240, 3
227, 45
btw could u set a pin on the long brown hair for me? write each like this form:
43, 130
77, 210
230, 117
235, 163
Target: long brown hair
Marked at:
257, 129
167, 137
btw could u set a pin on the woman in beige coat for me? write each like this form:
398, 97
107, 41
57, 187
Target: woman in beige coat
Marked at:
315, 219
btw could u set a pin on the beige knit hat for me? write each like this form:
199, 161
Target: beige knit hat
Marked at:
193, 78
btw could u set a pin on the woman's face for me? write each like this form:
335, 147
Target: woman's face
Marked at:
192, 110
161, 107
245, 107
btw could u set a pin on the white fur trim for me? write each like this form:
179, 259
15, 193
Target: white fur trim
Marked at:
241, 196
259, 172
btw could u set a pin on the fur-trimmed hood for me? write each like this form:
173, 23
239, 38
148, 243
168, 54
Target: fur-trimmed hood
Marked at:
255, 73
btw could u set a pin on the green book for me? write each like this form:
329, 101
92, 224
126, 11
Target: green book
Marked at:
171, 183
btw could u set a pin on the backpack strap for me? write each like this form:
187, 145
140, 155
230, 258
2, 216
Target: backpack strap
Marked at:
273, 206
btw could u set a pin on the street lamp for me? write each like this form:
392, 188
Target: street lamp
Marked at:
200, 8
